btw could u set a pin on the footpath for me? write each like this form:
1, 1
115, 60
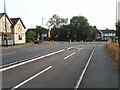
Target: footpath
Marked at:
102, 71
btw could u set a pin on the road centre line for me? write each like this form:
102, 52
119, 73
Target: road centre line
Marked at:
83, 72
35, 59
69, 55
29, 79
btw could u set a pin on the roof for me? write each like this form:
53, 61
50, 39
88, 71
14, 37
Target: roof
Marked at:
108, 31
1, 15
15, 20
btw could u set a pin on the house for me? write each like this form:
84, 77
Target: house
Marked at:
15, 30
3, 33
18, 31
107, 34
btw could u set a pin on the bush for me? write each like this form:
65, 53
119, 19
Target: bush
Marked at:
114, 51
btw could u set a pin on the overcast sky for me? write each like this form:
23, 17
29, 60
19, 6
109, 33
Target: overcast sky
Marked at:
101, 13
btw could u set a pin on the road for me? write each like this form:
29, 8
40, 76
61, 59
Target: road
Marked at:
63, 65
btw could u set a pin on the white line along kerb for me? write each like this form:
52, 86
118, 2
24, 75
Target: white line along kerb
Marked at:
29, 79
83, 72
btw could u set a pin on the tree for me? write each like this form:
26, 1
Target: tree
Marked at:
56, 21
30, 34
80, 27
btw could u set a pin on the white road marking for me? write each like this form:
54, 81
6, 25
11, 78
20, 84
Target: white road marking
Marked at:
80, 45
70, 48
83, 72
22, 63
80, 49
29, 79
69, 55
8, 53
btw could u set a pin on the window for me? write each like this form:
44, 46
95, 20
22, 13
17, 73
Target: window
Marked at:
19, 28
19, 37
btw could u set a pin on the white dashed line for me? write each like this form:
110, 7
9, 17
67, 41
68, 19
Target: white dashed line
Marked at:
80, 49
29, 79
69, 55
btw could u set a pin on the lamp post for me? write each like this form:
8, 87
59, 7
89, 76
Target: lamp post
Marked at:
43, 26
5, 25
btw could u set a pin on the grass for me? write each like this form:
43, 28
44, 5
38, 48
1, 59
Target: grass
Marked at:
114, 51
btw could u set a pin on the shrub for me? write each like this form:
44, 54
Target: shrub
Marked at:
114, 51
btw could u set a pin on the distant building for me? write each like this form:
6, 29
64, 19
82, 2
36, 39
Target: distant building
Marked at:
15, 30
107, 34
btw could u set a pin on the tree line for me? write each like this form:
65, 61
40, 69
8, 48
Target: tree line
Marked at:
78, 29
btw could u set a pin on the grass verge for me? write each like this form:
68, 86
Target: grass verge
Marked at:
114, 51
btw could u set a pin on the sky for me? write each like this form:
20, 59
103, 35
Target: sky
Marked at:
100, 13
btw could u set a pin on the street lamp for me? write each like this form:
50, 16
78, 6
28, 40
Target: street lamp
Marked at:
5, 25
42, 26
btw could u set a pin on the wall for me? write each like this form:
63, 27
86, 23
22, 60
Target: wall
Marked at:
19, 32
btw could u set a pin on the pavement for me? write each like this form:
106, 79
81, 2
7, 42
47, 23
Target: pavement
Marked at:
102, 71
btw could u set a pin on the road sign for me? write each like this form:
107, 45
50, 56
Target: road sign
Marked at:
6, 33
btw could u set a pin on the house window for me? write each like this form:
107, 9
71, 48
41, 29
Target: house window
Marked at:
19, 28
19, 37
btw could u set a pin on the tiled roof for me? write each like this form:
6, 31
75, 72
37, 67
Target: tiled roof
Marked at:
1, 14
108, 31
15, 20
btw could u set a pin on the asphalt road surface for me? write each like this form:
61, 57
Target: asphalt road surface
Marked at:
64, 65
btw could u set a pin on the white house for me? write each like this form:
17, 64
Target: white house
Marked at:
15, 30
107, 34
5, 19
18, 31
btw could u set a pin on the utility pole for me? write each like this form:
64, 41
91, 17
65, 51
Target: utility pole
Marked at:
5, 25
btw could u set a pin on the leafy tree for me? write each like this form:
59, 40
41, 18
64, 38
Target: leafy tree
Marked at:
80, 27
30, 34
57, 21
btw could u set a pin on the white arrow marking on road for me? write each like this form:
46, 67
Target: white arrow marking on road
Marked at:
29, 79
